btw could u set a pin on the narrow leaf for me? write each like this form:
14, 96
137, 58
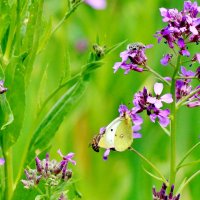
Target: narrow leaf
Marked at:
46, 130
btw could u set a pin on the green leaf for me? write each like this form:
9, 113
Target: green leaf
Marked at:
6, 113
114, 47
40, 197
66, 69
4, 21
32, 36
16, 95
46, 36
152, 175
90, 67
47, 128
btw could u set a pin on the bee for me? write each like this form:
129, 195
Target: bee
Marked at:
95, 142
135, 46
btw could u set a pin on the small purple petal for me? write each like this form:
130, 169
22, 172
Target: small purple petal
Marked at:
167, 78
116, 66
194, 30
158, 104
196, 57
167, 98
96, 4
136, 128
106, 154
165, 60
187, 73
151, 100
122, 110
102, 130
185, 52
164, 121
137, 120
181, 43
193, 104
137, 135
2, 161
158, 88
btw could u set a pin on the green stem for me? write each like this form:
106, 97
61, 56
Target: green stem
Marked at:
157, 75
186, 77
188, 181
173, 126
151, 164
8, 174
188, 164
66, 16
187, 154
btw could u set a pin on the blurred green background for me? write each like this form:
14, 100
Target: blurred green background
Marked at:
121, 177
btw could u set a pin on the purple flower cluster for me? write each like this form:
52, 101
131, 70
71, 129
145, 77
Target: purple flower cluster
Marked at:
52, 172
162, 194
144, 101
184, 87
182, 27
133, 58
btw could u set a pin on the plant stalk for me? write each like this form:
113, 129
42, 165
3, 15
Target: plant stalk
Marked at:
8, 174
172, 178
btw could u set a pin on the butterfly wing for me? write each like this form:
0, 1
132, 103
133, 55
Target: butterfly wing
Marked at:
123, 135
107, 139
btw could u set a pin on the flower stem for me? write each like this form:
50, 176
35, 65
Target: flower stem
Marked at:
66, 16
188, 181
173, 126
151, 164
8, 174
186, 155
157, 75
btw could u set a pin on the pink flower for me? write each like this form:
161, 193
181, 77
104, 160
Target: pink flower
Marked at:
157, 101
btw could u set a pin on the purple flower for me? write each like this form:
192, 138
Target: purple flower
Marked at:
197, 74
140, 101
51, 171
38, 164
123, 110
161, 195
196, 57
97, 4
165, 60
2, 161
106, 154
145, 101
194, 101
136, 135
182, 86
162, 115
183, 51
157, 101
68, 157
184, 24
182, 89
132, 58
186, 73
